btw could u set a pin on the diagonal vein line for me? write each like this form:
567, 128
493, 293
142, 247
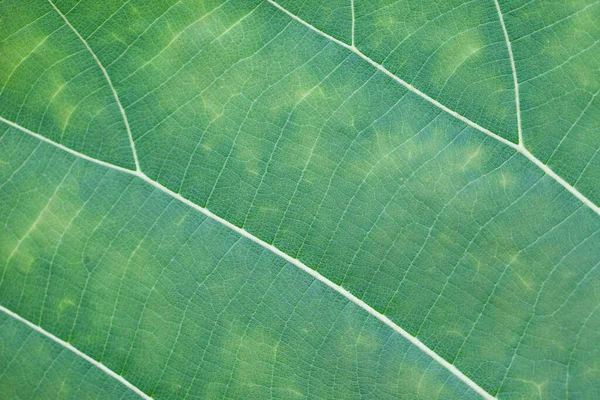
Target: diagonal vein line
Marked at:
402, 82
65, 148
514, 71
353, 20
76, 351
297, 263
360, 303
112, 88
519, 147
560, 180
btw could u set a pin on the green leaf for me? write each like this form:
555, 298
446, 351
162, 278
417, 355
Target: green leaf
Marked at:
301, 199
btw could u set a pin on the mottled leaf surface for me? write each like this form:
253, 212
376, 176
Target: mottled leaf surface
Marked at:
382, 144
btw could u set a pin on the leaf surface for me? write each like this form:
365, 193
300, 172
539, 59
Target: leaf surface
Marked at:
346, 199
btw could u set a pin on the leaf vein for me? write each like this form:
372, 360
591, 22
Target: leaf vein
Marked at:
77, 352
519, 147
297, 263
514, 71
108, 80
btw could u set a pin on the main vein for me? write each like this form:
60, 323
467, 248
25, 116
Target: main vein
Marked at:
299, 264
518, 147
112, 88
76, 351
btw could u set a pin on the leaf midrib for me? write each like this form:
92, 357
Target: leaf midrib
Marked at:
139, 174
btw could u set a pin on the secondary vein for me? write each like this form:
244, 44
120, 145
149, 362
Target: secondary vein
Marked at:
514, 72
138, 173
402, 82
112, 88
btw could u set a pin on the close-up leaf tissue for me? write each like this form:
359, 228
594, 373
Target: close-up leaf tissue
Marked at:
300, 199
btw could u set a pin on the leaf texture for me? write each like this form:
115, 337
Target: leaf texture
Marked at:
298, 199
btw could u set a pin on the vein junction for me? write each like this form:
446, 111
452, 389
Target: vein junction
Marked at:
518, 147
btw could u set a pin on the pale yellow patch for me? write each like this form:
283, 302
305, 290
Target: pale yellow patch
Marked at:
366, 342
118, 38
64, 304
302, 94
472, 155
525, 282
212, 108
180, 220
24, 261
506, 180
386, 22
253, 168
513, 263
538, 386
456, 53
60, 85
66, 111
454, 332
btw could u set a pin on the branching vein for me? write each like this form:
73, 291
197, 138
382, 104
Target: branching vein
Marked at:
518, 147
353, 20
339, 289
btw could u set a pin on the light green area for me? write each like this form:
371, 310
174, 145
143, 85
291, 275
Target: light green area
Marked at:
453, 235
333, 16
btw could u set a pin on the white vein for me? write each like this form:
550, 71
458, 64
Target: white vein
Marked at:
108, 80
76, 351
299, 264
518, 147
560, 180
514, 71
65, 148
394, 77
353, 20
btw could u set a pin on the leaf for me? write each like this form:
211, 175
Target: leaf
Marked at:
341, 199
